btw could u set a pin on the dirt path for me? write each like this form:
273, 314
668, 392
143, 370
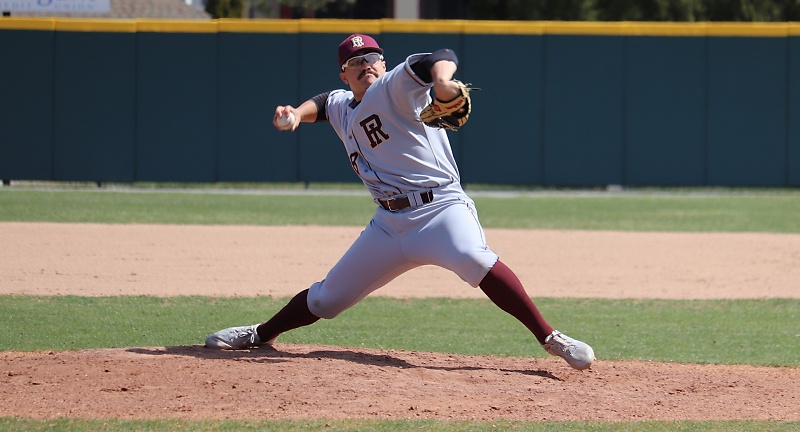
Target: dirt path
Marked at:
304, 381
163, 260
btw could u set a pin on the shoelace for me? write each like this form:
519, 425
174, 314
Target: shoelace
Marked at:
557, 341
246, 333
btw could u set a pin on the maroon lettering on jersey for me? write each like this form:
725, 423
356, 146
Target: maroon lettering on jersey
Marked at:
372, 127
354, 161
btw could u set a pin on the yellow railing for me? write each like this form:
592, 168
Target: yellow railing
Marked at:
748, 29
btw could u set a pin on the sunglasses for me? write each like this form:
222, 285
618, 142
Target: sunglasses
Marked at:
368, 58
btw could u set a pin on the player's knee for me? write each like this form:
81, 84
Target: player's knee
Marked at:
324, 311
320, 305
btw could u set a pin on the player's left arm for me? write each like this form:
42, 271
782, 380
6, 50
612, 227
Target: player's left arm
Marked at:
451, 106
438, 68
442, 77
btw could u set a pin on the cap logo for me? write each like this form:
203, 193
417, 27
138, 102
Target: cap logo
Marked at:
357, 41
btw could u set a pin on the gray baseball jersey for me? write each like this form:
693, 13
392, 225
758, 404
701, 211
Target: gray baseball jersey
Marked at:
390, 149
395, 154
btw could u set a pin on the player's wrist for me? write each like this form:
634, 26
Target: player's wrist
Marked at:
446, 91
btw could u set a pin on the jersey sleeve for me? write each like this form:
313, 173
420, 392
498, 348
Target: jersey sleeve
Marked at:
408, 91
321, 101
421, 66
336, 108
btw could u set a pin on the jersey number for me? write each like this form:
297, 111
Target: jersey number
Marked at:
354, 161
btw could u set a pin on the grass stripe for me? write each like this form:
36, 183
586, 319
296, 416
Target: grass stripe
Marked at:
699, 331
778, 213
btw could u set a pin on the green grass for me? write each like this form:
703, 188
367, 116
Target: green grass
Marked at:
732, 331
183, 208
777, 212
688, 213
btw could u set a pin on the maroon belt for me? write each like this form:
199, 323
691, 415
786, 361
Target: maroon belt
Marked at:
400, 203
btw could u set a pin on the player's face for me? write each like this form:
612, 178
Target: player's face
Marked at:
361, 71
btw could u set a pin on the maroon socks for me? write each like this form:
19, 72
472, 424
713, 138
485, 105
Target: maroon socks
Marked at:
503, 287
295, 314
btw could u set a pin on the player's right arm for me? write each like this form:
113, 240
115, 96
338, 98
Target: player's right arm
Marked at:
310, 111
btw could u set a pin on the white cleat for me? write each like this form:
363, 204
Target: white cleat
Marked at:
577, 354
235, 338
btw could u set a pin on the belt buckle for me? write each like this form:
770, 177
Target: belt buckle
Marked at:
406, 202
390, 207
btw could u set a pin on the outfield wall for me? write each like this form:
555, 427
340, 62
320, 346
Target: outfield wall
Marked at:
562, 104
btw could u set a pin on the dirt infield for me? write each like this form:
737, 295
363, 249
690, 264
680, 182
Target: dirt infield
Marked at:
303, 381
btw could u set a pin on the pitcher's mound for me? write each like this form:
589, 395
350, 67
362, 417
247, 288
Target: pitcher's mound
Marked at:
310, 381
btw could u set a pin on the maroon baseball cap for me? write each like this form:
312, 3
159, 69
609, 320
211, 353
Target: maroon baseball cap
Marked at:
357, 44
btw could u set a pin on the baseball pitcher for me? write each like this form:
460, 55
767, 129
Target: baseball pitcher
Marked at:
392, 124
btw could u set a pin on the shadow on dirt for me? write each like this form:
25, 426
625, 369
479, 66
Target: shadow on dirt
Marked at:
270, 354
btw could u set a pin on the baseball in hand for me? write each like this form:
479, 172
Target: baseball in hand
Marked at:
286, 121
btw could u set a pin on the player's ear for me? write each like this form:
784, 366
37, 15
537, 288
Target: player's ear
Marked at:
343, 77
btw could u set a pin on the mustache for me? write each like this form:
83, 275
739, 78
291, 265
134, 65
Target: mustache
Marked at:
365, 72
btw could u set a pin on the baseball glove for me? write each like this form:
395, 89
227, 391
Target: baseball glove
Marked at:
450, 114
